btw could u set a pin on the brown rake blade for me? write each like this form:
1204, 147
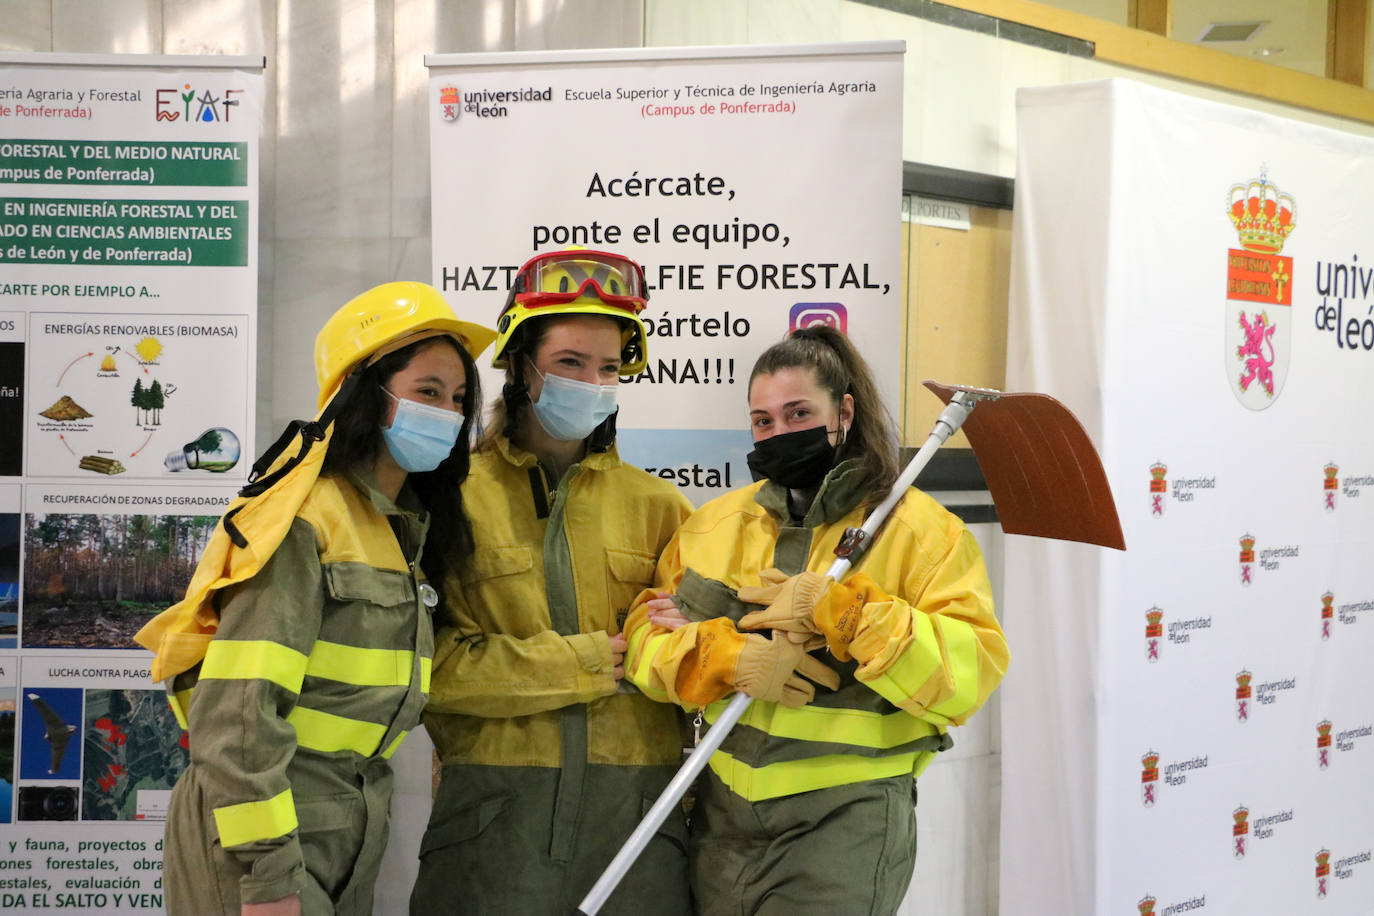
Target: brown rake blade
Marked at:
1043, 472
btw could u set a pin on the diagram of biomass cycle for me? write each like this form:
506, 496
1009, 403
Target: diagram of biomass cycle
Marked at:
138, 396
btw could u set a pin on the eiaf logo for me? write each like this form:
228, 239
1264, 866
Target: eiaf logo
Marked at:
1259, 293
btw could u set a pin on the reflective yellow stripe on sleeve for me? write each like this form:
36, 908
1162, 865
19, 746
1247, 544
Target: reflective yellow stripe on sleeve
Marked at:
902, 681
644, 649
254, 659
180, 701
858, 727
259, 820
326, 732
426, 667
364, 667
392, 747
791, 777
961, 650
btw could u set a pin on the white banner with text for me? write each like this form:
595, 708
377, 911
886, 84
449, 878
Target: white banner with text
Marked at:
760, 187
128, 308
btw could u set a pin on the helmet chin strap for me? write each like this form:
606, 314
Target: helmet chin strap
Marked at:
310, 432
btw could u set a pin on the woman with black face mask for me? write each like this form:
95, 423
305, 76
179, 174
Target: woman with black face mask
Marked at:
808, 806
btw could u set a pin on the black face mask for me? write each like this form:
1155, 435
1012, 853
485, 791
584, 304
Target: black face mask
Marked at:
798, 461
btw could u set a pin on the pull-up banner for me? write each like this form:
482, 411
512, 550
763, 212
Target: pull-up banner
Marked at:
128, 291
1190, 724
759, 186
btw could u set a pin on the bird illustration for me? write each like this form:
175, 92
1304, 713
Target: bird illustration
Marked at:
58, 732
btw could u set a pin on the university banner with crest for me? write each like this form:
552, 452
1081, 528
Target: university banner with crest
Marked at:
1189, 726
128, 308
759, 187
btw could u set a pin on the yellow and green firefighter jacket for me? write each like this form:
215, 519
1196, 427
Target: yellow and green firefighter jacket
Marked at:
319, 667
527, 639
924, 659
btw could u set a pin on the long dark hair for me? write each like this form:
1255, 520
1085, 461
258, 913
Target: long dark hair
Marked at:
840, 370
357, 441
508, 411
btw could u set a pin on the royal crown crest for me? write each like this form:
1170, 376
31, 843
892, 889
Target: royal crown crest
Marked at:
450, 103
1146, 906
1153, 625
1323, 866
1247, 548
1258, 340
1327, 610
1158, 486
1242, 821
1243, 685
1262, 215
1330, 484
1149, 776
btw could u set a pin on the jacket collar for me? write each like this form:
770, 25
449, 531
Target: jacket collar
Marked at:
406, 501
517, 456
839, 493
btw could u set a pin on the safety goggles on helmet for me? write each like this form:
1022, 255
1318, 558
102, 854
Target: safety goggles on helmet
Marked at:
578, 281
556, 277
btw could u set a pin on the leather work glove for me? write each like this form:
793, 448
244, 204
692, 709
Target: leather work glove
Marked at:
791, 601
776, 670
838, 612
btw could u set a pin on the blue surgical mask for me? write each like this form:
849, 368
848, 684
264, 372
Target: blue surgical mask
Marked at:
568, 409
421, 436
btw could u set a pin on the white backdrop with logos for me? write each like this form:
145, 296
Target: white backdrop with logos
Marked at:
1191, 723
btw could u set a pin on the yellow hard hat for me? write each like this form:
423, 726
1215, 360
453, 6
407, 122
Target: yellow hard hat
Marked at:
578, 281
384, 319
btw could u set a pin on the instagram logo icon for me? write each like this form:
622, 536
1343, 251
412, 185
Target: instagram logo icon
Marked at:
811, 314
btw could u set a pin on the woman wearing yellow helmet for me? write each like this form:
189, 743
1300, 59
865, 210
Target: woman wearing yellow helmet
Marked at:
301, 656
547, 762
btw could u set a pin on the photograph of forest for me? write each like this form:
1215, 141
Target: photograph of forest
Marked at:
91, 581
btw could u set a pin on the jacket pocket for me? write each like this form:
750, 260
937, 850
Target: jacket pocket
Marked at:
331, 837
491, 562
674, 828
462, 825
628, 572
349, 582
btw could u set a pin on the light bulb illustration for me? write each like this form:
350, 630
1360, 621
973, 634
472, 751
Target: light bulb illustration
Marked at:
215, 450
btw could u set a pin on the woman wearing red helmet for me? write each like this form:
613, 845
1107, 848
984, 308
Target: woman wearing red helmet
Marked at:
549, 758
